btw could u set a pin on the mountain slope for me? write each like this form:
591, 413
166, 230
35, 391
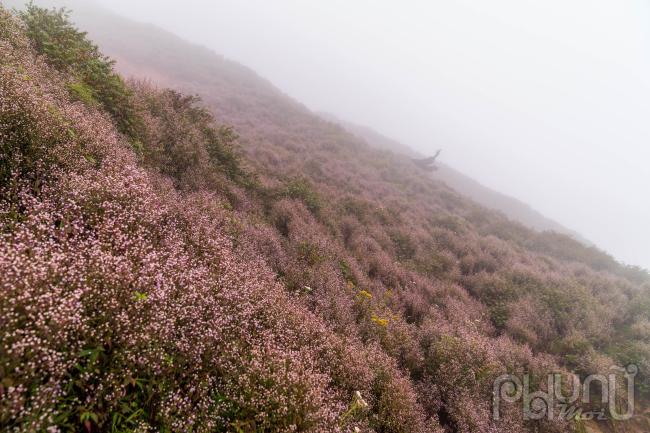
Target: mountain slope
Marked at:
294, 279
511, 207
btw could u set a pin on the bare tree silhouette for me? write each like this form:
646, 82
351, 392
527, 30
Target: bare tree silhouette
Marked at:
428, 163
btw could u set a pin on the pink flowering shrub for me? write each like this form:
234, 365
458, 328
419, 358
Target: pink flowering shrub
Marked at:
127, 306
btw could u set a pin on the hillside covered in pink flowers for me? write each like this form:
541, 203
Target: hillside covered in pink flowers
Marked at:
236, 264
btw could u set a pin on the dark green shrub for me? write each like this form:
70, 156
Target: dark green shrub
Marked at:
301, 189
220, 143
71, 52
403, 244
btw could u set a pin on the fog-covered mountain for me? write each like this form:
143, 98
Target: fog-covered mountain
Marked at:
511, 207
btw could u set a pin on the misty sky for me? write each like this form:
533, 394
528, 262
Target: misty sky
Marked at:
547, 101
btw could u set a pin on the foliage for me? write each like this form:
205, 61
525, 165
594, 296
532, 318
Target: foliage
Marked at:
183, 142
71, 52
301, 189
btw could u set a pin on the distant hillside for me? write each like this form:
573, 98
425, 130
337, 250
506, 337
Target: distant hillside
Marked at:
192, 67
511, 207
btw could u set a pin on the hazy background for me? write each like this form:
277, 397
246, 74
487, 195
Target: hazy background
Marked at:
546, 101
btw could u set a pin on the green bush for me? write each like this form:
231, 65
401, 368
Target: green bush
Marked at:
348, 276
82, 92
300, 188
220, 144
404, 245
499, 315
309, 253
71, 52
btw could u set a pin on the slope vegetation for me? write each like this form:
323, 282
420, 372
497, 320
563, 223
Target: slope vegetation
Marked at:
511, 207
240, 265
